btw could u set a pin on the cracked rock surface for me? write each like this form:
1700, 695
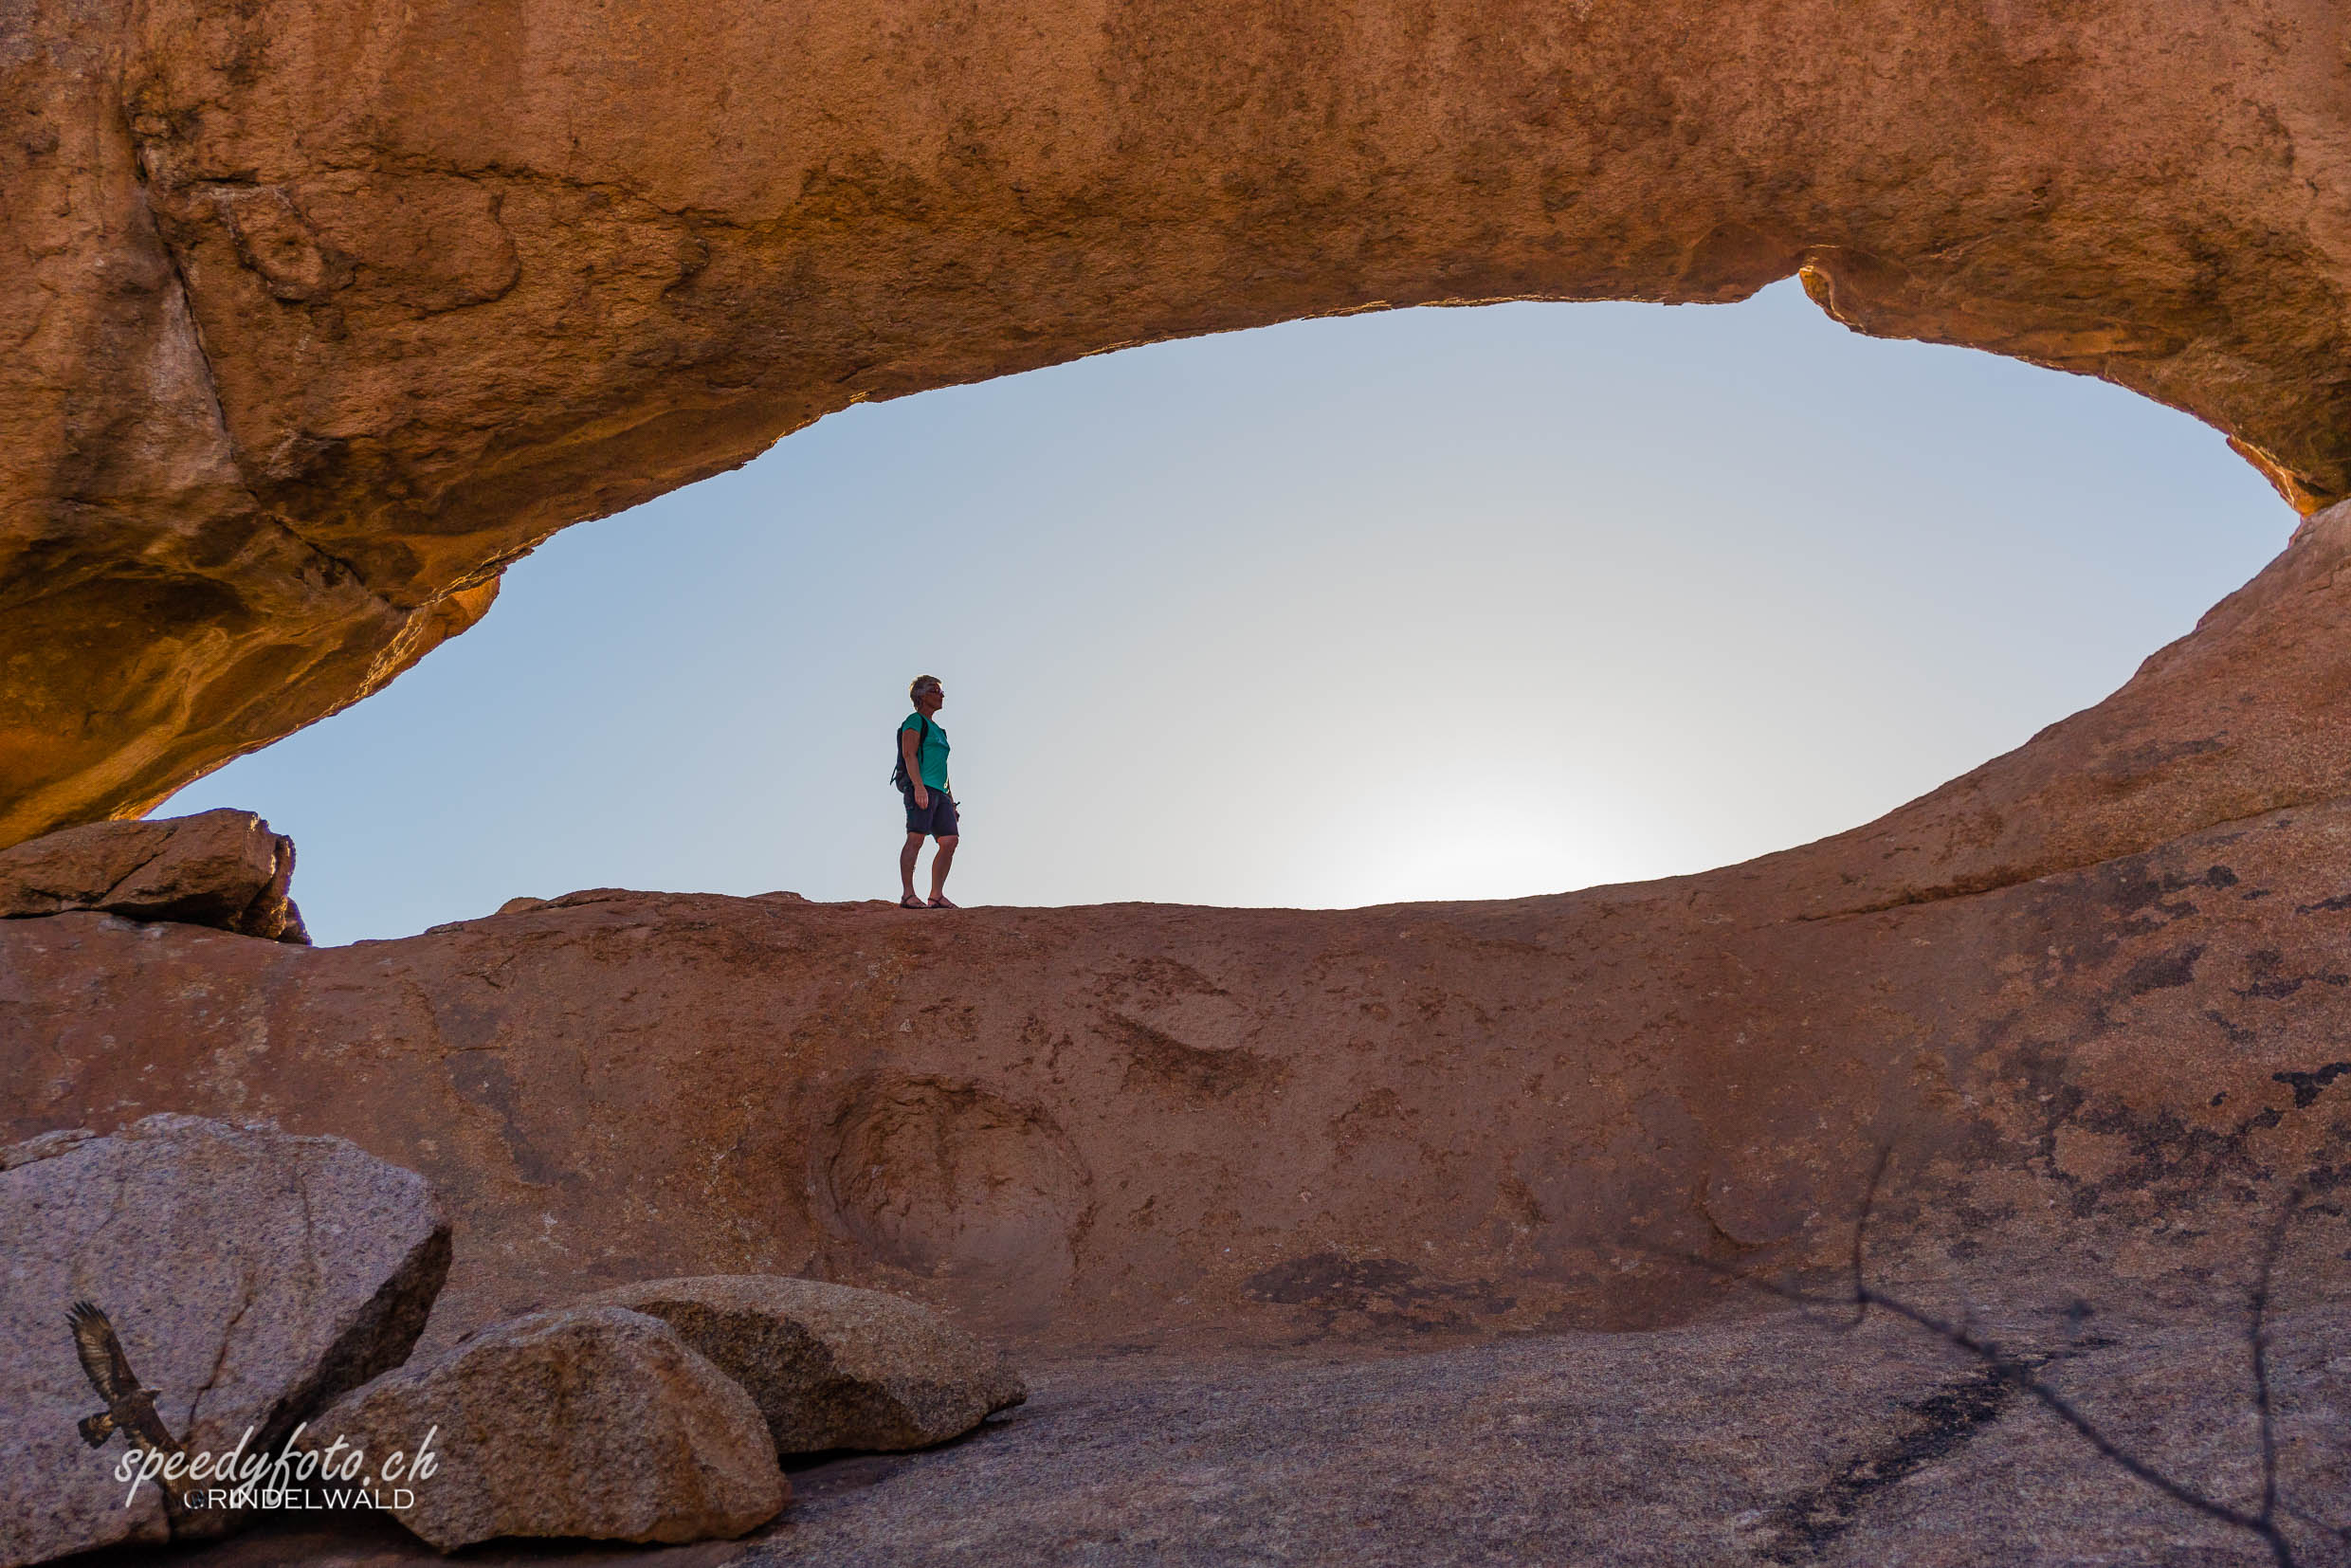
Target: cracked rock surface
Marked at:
1714, 1445
221, 868
250, 1276
1745, 1443
318, 317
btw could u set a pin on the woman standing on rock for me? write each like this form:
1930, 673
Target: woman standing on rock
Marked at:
921, 778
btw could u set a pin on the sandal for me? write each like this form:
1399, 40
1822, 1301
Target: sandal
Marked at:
941, 903
910, 902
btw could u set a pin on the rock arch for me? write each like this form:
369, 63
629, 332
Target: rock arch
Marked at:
320, 319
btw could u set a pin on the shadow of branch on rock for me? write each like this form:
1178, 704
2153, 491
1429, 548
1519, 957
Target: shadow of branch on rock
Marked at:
2020, 1373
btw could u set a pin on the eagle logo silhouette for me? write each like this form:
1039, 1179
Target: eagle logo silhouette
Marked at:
130, 1406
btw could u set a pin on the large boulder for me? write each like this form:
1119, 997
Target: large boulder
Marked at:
248, 1277
832, 1366
221, 868
589, 1422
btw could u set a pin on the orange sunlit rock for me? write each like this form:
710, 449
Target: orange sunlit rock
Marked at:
317, 317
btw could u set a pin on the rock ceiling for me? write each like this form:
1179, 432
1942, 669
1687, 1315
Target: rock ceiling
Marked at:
319, 317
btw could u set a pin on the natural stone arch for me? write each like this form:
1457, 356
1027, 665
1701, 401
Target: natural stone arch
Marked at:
323, 317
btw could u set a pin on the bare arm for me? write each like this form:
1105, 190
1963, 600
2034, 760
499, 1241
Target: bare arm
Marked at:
910, 747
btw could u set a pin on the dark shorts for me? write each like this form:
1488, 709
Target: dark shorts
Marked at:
938, 819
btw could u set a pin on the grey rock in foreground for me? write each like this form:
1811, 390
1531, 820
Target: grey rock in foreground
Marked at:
221, 868
1735, 1444
831, 1366
585, 1422
249, 1277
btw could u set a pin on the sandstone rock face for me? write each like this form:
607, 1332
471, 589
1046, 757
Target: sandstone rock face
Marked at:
219, 868
833, 1367
310, 339
2240, 718
250, 1276
2090, 996
592, 1422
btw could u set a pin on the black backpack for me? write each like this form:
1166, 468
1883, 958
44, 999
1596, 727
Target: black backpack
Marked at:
897, 764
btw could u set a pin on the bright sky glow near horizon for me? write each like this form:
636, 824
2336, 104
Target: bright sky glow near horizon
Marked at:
1416, 605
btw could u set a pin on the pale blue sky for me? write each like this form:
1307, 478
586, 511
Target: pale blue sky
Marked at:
1428, 604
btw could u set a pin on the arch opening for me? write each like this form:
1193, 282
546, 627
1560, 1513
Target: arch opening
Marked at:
316, 350
1434, 604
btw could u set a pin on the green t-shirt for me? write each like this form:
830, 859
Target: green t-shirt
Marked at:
934, 752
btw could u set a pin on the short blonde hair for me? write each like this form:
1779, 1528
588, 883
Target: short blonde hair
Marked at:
915, 688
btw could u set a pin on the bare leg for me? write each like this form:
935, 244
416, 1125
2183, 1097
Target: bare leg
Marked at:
905, 862
939, 862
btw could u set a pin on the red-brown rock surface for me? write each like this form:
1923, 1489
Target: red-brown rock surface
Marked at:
220, 868
318, 315
2095, 997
